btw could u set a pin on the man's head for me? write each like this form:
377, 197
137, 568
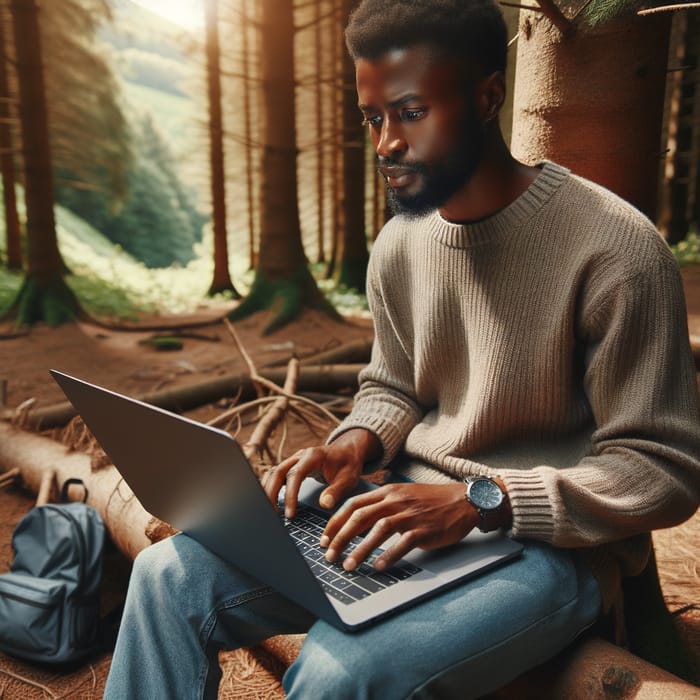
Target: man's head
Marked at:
430, 81
472, 31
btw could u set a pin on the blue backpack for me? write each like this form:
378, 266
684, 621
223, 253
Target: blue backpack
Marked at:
50, 599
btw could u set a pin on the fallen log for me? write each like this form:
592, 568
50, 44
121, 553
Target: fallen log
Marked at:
594, 669
44, 465
323, 378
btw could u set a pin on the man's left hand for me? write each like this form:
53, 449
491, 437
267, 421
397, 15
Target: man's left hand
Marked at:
427, 516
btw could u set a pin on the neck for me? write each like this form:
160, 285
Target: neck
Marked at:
497, 182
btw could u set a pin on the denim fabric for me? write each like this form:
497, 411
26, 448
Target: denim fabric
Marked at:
185, 604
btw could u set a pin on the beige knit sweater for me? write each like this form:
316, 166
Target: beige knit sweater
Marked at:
547, 344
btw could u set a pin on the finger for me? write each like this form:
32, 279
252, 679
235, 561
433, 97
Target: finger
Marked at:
374, 539
344, 480
341, 516
409, 540
274, 478
358, 522
307, 464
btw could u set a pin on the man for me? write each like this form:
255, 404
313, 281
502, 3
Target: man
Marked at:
529, 328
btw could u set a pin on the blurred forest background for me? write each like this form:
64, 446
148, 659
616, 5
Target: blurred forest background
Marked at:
220, 152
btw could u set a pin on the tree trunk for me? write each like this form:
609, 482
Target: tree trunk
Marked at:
336, 146
282, 278
246, 22
44, 295
221, 281
681, 191
7, 156
593, 100
353, 242
320, 145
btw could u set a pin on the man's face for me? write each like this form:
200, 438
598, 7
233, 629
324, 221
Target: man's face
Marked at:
423, 125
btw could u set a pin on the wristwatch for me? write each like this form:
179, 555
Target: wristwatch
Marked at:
489, 500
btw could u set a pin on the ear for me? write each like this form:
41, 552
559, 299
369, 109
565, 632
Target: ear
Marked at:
491, 93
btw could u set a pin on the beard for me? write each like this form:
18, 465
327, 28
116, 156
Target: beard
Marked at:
441, 179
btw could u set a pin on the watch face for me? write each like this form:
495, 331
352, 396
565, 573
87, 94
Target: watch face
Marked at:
485, 494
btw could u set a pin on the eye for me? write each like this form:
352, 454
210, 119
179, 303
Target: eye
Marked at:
412, 115
373, 122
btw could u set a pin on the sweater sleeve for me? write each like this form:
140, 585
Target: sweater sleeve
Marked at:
643, 472
385, 403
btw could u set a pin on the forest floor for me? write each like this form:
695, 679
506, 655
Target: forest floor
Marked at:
121, 360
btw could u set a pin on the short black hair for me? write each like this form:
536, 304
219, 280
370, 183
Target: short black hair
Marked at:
472, 31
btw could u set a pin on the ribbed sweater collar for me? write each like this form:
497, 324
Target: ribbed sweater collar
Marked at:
506, 220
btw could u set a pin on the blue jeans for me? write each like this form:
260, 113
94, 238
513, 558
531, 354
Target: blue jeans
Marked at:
184, 604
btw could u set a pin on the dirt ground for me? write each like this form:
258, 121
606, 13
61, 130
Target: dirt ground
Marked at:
121, 360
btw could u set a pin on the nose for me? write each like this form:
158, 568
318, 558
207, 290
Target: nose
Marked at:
391, 139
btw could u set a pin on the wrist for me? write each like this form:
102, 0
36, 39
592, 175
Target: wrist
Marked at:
506, 509
363, 444
488, 496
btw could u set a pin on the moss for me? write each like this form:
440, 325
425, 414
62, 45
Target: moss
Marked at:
50, 300
285, 297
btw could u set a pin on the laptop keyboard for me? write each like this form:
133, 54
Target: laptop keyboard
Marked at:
345, 586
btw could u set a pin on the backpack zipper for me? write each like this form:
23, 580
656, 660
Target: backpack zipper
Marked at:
25, 601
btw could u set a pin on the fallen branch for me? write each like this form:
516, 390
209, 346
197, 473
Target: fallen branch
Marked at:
254, 447
179, 399
356, 352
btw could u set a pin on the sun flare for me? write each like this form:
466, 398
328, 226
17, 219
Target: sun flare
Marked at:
186, 13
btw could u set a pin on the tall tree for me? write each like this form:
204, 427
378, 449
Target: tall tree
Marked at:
681, 185
7, 152
44, 294
282, 280
589, 93
354, 256
221, 281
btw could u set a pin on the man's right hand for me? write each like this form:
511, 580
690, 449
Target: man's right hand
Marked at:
338, 464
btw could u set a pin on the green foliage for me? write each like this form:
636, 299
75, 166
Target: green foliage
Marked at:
177, 119
346, 300
163, 343
10, 283
598, 12
157, 222
284, 297
90, 139
687, 251
50, 300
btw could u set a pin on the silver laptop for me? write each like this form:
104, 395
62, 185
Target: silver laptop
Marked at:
196, 478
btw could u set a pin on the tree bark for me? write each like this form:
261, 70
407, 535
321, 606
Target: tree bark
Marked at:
221, 281
593, 100
354, 256
7, 156
44, 295
593, 669
282, 277
44, 257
